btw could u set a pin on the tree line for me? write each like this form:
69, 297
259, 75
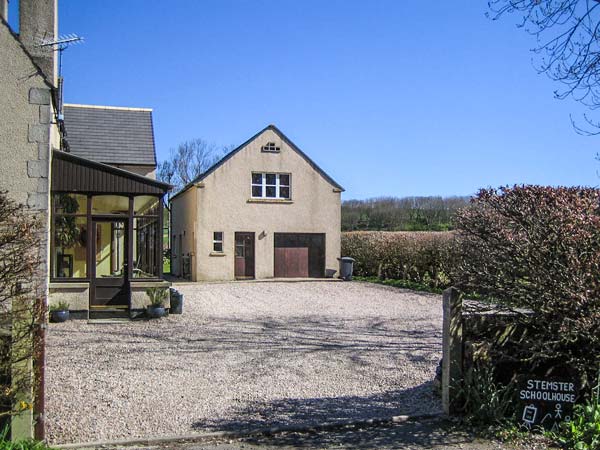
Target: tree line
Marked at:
401, 214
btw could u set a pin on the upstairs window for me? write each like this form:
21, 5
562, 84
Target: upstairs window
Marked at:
271, 185
218, 241
270, 147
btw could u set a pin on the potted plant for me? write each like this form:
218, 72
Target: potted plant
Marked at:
157, 297
59, 312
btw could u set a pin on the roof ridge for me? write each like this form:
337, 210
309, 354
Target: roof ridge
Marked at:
241, 146
118, 108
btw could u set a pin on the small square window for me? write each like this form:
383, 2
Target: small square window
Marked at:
257, 178
218, 241
284, 180
256, 191
271, 191
284, 192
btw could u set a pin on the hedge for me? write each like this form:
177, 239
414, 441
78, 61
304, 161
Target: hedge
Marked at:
417, 256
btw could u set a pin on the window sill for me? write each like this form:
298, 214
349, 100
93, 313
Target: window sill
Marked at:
270, 200
217, 254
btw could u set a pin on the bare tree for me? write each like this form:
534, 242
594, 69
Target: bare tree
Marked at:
568, 35
189, 160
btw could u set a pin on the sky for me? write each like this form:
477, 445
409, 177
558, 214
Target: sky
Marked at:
389, 97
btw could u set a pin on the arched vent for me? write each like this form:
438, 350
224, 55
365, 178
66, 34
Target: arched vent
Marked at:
271, 148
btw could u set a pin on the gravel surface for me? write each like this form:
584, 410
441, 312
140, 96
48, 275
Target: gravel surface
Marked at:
438, 434
246, 355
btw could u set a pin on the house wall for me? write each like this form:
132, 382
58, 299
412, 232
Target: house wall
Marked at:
27, 136
26, 139
183, 231
224, 203
26, 133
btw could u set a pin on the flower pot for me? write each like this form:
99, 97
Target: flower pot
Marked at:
156, 312
59, 315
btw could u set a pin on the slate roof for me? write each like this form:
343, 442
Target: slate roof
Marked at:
237, 149
110, 135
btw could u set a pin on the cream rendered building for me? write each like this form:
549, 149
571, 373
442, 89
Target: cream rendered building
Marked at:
265, 210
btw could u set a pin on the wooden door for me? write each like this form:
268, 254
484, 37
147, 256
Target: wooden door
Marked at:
244, 255
109, 270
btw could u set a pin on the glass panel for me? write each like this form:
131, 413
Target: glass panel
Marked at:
256, 178
218, 236
270, 191
70, 247
146, 205
70, 204
145, 247
111, 251
271, 177
256, 191
284, 180
110, 204
284, 192
218, 247
239, 249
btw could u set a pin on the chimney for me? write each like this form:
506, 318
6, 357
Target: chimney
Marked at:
38, 20
4, 10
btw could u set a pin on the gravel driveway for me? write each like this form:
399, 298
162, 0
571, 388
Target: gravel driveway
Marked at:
245, 355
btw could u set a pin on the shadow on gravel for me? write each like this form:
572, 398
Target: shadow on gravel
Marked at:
427, 434
300, 412
268, 337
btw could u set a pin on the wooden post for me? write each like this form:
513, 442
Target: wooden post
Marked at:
452, 350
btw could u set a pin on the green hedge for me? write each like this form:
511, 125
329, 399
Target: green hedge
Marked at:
427, 258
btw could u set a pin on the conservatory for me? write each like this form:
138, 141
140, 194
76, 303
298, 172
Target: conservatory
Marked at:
106, 245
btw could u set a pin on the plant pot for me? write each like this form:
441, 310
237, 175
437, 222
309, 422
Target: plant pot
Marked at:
156, 312
59, 315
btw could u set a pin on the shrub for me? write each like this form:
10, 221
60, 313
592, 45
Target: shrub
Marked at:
538, 248
157, 296
21, 306
60, 306
583, 430
420, 257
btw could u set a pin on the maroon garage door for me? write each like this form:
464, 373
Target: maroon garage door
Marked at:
299, 255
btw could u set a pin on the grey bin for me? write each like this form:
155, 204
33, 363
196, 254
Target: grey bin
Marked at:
176, 302
346, 267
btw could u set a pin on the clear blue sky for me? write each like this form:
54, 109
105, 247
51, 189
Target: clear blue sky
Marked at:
389, 97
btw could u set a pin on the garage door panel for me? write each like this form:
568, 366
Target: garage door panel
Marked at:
299, 255
291, 262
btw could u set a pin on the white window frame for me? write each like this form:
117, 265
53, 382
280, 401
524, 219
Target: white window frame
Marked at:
263, 185
218, 241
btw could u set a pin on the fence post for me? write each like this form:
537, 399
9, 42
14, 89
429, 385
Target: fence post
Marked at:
451, 350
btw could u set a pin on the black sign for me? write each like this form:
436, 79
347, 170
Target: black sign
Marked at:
546, 402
